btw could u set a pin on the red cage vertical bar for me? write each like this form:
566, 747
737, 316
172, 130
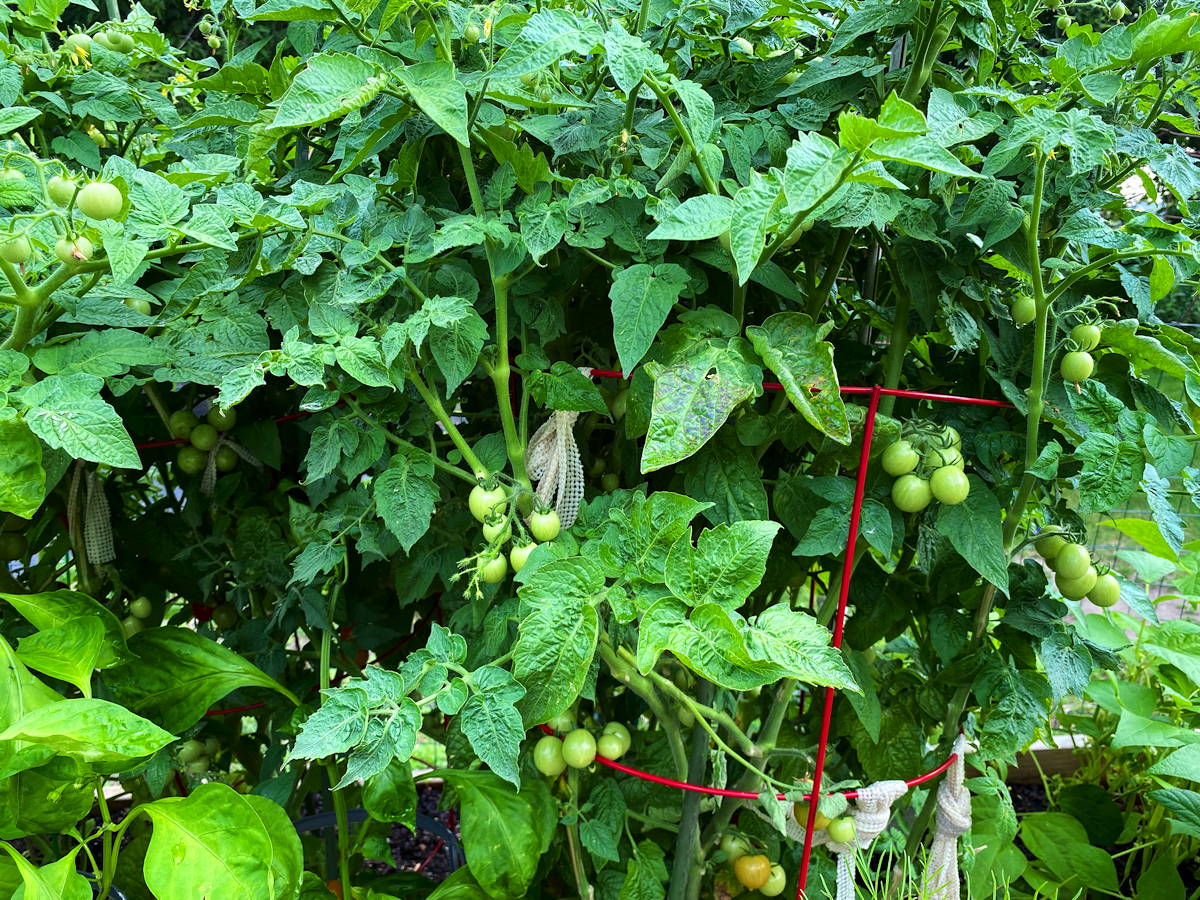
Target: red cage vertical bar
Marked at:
860, 487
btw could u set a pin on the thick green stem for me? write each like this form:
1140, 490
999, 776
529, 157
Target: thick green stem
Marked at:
643, 16
687, 869
436, 407
501, 372
710, 184
820, 293
22, 330
628, 675
574, 846
749, 781
1016, 508
896, 349
331, 767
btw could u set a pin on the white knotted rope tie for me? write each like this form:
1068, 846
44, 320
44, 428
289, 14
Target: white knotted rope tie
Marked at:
208, 481
953, 819
872, 811
553, 459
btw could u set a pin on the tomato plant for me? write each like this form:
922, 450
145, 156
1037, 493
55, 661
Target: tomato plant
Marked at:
533, 346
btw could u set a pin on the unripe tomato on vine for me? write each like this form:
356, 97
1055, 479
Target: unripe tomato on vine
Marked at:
15, 250
1106, 591
99, 200
752, 871
545, 526
72, 251
485, 502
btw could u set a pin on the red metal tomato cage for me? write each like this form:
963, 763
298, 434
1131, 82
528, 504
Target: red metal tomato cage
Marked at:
874, 393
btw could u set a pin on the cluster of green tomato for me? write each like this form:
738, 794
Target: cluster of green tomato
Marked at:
1074, 575
754, 871
490, 505
1077, 363
204, 436
578, 748
98, 200
927, 463
197, 756
1116, 11
140, 611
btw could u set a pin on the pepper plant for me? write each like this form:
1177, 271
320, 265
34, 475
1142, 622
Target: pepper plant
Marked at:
288, 297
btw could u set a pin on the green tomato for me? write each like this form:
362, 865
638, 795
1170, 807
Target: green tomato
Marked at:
518, 556
843, 830
741, 45
141, 608
225, 616
78, 44
190, 460
1023, 309
115, 40
800, 812
13, 545
494, 569
951, 437
471, 34
212, 747
1086, 336
949, 485
563, 722
73, 252
204, 437
189, 751
790, 77
945, 456
16, 250
11, 175
1106, 591
753, 871
61, 189
911, 493
221, 419
99, 200
131, 625
197, 768
776, 883
544, 526
1118, 11
610, 746
610, 481
734, 846
1050, 546
548, 756
181, 423
1077, 366
500, 530
900, 458
227, 459
620, 731
1063, 22
484, 501
140, 305
1072, 561
579, 749
1077, 588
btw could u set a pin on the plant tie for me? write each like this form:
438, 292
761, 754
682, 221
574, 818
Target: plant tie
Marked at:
553, 459
953, 819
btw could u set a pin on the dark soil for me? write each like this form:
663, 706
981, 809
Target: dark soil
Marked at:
1028, 798
413, 849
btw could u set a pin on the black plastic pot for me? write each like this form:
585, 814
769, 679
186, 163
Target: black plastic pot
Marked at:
327, 821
